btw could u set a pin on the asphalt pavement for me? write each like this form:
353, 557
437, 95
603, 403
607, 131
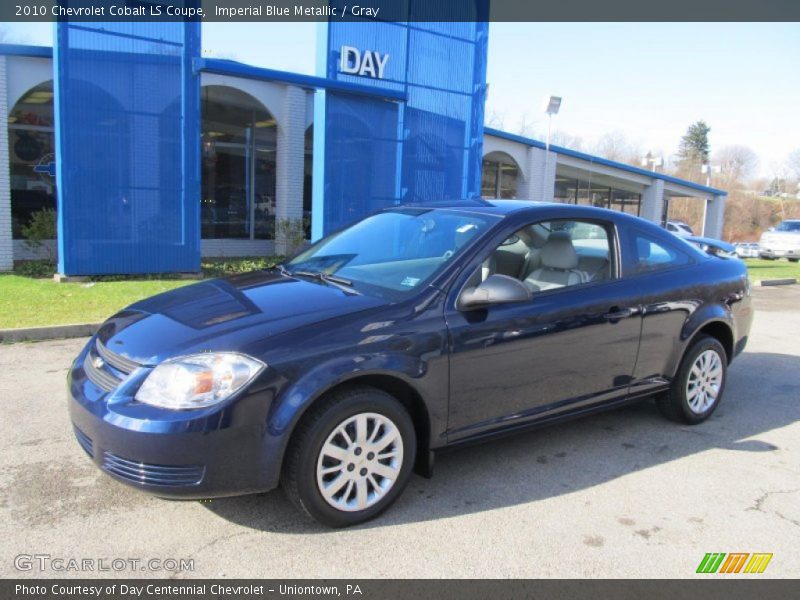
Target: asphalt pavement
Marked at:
622, 494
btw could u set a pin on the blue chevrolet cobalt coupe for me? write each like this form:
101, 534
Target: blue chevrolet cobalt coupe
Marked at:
338, 373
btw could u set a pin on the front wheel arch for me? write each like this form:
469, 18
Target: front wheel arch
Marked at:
396, 387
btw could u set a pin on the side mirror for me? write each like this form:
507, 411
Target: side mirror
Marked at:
497, 289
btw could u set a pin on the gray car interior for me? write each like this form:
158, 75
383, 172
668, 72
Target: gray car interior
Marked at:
546, 260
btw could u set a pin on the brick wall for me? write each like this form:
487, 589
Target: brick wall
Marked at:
290, 164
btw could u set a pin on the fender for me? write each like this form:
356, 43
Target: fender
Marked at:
705, 315
295, 400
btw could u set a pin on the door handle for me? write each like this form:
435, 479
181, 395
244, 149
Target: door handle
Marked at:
617, 313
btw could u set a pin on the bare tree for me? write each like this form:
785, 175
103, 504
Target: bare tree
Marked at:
562, 138
615, 146
495, 120
738, 163
525, 127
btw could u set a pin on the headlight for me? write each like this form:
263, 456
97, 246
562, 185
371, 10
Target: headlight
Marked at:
198, 380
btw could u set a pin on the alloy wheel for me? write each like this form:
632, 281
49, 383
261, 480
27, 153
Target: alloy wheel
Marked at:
359, 462
704, 381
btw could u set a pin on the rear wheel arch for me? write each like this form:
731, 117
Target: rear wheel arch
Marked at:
720, 331
712, 321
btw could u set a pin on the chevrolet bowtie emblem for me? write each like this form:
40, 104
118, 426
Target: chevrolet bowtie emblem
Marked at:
98, 362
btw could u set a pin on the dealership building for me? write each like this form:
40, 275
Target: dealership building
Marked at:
228, 159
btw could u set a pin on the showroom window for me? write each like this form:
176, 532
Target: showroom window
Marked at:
239, 147
576, 190
499, 176
31, 152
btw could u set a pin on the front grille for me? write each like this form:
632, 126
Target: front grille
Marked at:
99, 376
119, 362
147, 474
85, 441
96, 364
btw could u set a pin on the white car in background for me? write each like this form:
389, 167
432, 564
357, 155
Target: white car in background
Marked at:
782, 241
747, 250
679, 228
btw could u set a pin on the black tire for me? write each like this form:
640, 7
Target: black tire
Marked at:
674, 404
794, 259
299, 474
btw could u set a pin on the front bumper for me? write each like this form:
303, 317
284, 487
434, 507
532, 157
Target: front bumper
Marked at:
219, 451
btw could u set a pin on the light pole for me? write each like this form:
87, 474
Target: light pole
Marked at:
707, 169
552, 104
652, 162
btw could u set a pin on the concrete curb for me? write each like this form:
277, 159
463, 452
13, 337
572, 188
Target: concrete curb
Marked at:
53, 332
768, 282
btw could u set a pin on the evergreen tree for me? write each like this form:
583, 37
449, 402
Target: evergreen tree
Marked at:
694, 149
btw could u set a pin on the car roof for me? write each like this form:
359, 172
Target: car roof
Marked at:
480, 205
506, 208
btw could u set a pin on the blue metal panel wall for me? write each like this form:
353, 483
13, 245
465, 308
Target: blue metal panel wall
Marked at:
381, 152
127, 138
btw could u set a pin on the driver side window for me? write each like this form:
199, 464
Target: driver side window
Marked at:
554, 254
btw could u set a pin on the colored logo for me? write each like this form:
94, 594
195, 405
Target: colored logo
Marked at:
735, 562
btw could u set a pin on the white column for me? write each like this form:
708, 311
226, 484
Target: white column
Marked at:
289, 167
6, 243
715, 217
541, 181
653, 202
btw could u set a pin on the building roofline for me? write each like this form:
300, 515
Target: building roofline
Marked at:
26, 50
601, 161
237, 69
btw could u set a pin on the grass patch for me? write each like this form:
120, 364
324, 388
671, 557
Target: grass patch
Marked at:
30, 298
27, 302
772, 269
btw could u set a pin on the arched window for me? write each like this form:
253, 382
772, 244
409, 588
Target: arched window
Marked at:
239, 148
500, 176
31, 152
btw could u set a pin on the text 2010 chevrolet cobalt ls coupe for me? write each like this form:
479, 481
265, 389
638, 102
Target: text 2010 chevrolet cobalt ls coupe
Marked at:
340, 372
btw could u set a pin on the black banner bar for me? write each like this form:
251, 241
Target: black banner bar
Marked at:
400, 10
710, 587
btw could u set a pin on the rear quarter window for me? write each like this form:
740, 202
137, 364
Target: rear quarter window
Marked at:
648, 253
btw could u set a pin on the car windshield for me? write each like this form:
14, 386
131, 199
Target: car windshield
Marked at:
394, 252
793, 226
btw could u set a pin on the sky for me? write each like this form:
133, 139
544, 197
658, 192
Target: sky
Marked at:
647, 81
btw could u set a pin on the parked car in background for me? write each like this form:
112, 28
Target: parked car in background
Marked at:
782, 241
416, 329
747, 250
679, 228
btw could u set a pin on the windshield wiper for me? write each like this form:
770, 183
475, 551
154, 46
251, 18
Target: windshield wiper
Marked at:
283, 270
340, 282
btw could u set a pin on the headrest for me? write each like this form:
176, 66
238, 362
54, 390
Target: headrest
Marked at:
559, 253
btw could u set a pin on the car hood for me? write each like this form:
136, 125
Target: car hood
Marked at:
224, 314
